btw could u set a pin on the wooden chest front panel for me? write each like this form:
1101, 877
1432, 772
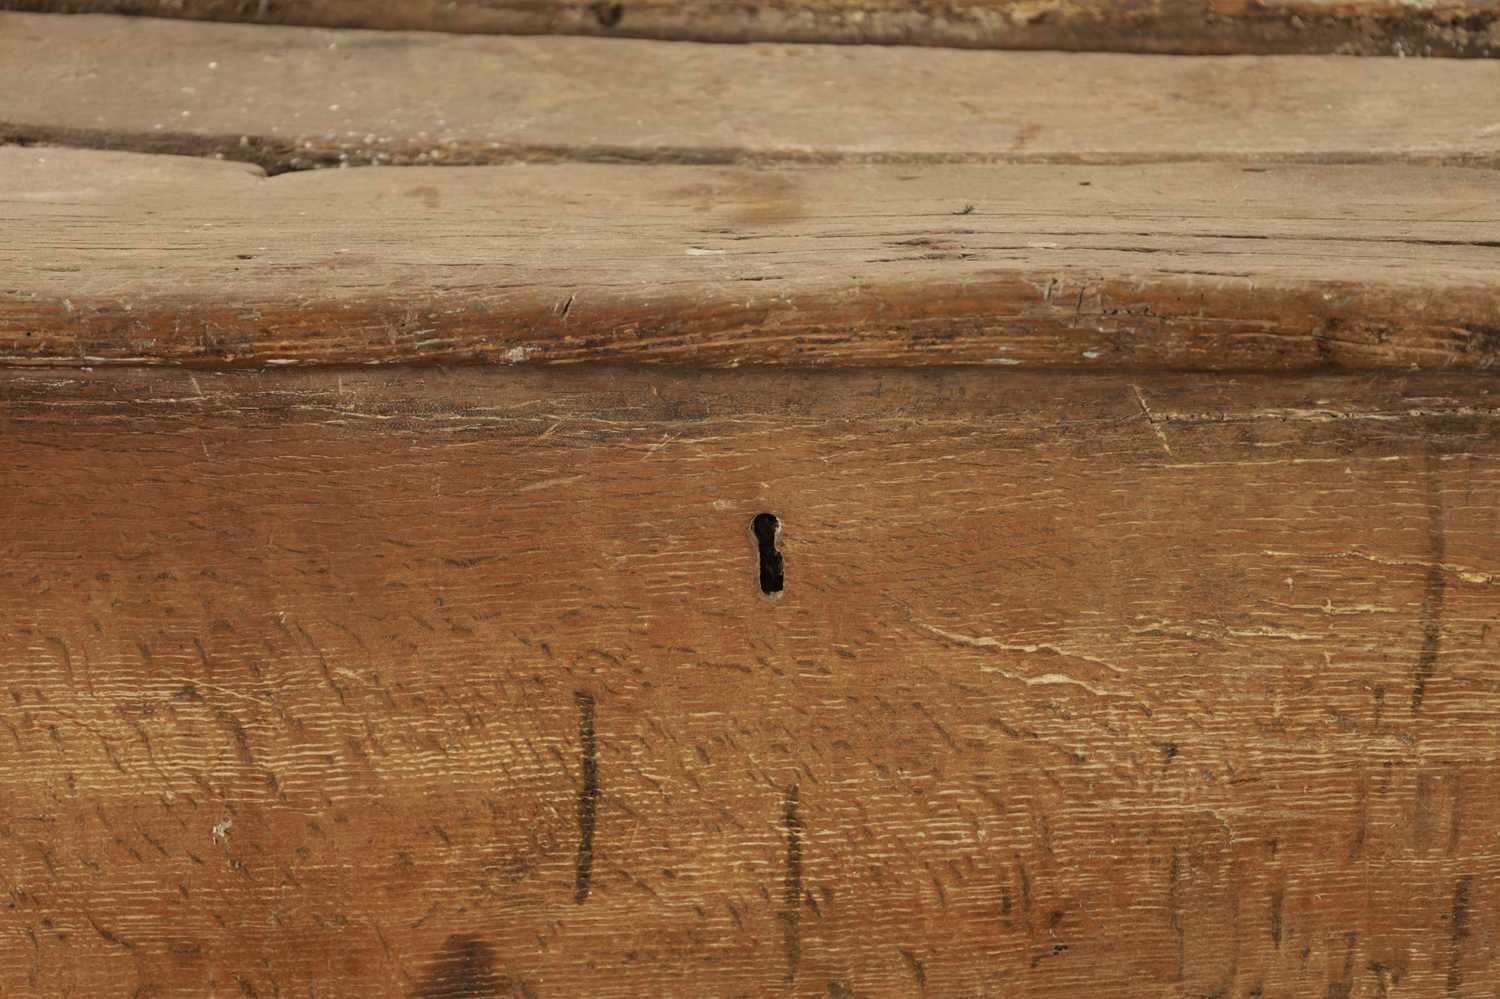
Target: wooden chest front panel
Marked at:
441, 683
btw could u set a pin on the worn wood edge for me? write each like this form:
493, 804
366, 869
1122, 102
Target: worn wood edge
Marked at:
292, 99
1002, 266
1206, 27
1091, 325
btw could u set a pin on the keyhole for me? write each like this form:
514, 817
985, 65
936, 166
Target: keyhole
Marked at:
765, 527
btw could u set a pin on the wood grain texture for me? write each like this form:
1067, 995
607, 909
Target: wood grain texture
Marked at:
288, 99
120, 258
459, 683
1385, 27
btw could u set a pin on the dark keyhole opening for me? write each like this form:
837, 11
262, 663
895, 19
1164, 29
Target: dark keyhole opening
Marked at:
765, 527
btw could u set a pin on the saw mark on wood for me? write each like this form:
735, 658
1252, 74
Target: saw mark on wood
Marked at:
791, 893
1344, 985
1151, 420
1174, 913
1277, 898
1458, 929
588, 796
918, 972
1434, 587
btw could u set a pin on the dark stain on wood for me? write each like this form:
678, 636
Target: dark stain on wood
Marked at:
466, 969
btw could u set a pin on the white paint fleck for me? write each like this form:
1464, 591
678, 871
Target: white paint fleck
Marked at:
221, 831
517, 354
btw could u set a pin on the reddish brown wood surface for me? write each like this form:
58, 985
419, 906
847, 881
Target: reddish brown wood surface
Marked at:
443, 683
1387, 27
117, 258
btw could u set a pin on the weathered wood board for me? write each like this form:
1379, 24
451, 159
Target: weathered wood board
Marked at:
122, 258
427, 681
460, 683
291, 98
1387, 27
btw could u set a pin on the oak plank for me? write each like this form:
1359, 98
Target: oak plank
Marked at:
123, 258
1384, 27
1115, 686
289, 98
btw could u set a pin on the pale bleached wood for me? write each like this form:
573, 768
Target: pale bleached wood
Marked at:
288, 98
1387, 27
122, 258
1116, 687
